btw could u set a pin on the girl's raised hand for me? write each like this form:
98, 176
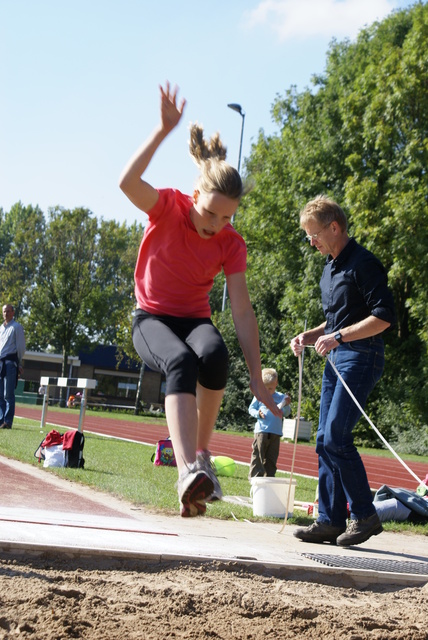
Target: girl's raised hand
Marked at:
170, 112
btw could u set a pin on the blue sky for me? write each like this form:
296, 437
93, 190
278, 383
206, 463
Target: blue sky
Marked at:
80, 85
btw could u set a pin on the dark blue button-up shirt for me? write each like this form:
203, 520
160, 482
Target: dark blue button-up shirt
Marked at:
354, 286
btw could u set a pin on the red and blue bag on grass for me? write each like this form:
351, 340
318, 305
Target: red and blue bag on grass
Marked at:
62, 450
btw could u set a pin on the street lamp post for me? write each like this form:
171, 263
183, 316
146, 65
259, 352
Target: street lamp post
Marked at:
238, 109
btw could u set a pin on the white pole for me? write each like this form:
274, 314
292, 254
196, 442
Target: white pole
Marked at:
299, 402
45, 407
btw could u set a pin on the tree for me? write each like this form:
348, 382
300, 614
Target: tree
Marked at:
70, 278
359, 135
21, 235
60, 313
116, 255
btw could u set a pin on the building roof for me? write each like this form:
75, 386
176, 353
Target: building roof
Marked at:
106, 357
40, 356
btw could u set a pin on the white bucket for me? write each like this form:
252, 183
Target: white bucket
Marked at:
270, 496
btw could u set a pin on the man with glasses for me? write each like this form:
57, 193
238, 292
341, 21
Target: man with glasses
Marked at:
12, 349
358, 306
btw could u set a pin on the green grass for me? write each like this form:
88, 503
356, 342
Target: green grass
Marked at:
124, 469
149, 418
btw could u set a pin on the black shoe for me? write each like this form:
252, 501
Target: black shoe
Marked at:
5, 426
359, 531
319, 532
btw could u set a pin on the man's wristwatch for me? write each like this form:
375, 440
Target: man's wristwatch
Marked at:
338, 337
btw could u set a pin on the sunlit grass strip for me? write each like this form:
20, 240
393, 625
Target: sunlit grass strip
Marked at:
124, 469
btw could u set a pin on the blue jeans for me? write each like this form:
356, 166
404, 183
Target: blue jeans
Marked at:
342, 476
7, 392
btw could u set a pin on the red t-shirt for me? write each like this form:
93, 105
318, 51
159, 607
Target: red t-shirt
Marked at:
175, 267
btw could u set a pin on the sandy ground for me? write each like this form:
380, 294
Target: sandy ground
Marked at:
94, 599
43, 597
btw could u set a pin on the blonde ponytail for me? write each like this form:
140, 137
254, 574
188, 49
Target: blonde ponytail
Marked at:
216, 174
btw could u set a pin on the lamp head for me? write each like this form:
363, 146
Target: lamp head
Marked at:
235, 107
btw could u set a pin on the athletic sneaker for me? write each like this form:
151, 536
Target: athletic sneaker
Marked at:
203, 457
194, 488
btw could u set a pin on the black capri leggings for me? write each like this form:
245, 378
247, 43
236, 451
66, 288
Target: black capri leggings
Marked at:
186, 350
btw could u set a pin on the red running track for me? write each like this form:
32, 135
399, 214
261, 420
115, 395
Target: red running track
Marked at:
380, 470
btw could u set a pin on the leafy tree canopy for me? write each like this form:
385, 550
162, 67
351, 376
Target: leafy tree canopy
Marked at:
359, 135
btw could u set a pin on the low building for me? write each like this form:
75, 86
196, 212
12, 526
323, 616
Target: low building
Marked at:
117, 379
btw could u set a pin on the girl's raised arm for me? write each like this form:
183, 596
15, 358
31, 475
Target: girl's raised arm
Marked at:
140, 192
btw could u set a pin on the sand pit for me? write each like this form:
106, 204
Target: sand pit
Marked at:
107, 599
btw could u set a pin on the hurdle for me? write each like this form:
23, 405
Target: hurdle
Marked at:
79, 383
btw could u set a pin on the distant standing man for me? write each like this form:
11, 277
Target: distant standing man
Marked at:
358, 307
12, 349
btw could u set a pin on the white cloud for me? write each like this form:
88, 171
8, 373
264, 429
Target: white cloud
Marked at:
309, 18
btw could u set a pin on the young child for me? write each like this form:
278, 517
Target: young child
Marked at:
188, 240
268, 428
